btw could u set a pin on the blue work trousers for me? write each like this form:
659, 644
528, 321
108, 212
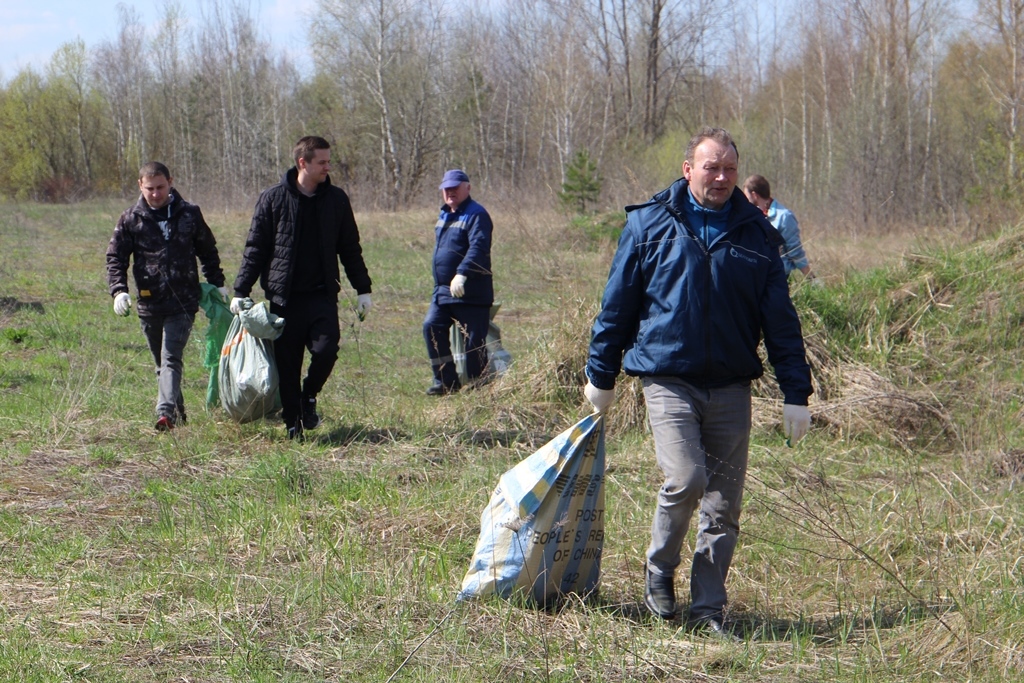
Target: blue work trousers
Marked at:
472, 322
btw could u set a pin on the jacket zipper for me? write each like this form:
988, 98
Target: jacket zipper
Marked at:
707, 278
707, 300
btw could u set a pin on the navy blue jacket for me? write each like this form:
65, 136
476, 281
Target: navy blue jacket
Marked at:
673, 307
463, 245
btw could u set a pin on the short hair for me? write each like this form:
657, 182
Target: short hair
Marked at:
154, 168
307, 146
719, 135
759, 185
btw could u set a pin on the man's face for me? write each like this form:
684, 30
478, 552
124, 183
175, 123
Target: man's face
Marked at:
156, 190
453, 196
713, 173
317, 168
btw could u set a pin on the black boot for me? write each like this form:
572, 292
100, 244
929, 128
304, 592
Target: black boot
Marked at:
660, 594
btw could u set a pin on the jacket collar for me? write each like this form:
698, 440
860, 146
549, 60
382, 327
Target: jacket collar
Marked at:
143, 209
740, 210
461, 207
290, 180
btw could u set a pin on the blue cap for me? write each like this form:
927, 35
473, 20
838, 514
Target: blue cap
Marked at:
453, 178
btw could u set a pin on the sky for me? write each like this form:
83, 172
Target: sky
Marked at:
30, 32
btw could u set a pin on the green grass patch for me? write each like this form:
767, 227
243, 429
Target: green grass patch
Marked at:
885, 547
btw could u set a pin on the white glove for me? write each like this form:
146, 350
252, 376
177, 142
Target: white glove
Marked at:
225, 297
458, 285
122, 303
796, 420
236, 305
363, 305
601, 399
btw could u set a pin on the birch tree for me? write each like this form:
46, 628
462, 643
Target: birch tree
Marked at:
122, 77
1004, 78
388, 54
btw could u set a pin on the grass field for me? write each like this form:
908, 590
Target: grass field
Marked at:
887, 546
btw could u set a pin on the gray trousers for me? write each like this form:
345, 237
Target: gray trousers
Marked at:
167, 336
701, 438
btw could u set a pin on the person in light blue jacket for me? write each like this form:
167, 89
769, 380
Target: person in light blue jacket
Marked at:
696, 283
463, 285
759, 193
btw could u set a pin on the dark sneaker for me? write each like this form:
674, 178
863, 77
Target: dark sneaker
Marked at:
660, 594
164, 423
310, 420
714, 627
180, 418
439, 389
295, 433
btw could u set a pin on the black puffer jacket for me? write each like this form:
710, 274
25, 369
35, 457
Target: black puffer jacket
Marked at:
164, 266
270, 247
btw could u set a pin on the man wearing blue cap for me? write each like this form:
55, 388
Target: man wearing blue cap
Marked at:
463, 287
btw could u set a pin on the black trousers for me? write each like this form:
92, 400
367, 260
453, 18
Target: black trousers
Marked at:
310, 322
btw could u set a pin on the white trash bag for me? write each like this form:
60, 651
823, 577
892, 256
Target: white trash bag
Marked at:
247, 375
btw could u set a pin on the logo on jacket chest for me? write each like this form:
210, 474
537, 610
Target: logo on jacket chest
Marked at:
749, 258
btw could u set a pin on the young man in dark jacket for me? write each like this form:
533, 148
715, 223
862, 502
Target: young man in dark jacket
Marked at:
463, 286
164, 235
695, 283
300, 229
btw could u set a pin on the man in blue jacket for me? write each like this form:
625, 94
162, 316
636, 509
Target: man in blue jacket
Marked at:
759, 193
696, 282
463, 286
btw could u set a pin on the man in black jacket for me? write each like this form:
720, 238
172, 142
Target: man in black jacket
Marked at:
164, 235
300, 229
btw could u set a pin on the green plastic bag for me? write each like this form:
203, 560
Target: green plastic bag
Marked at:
248, 373
220, 319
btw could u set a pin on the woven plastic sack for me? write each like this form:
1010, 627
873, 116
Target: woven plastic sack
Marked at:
498, 359
248, 373
542, 533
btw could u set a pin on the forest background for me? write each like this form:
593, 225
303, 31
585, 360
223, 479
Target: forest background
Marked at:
867, 116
